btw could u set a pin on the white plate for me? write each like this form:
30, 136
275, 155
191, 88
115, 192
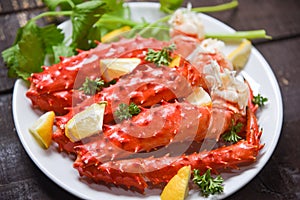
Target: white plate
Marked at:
58, 167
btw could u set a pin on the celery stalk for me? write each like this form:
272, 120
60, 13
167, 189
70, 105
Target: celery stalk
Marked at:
253, 34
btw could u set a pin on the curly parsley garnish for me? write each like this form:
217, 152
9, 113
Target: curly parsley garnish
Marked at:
126, 112
232, 136
259, 100
162, 57
90, 87
207, 184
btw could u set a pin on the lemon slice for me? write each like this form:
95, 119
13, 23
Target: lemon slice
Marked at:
177, 188
239, 57
112, 68
199, 97
109, 37
86, 123
42, 129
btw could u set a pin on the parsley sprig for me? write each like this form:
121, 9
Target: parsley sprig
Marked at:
207, 184
162, 57
90, 86
232, 136
259, 100
125, 111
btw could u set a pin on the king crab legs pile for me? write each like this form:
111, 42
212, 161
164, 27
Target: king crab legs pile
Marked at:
129, 153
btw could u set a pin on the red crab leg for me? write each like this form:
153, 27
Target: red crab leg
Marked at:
139, 171
71, 72
153, 128
143, 86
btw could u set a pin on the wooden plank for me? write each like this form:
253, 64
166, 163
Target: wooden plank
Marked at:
283, 57
279, 18
19, 176
19, 5
34, 188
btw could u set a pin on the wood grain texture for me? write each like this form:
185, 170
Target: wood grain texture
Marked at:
17, 5
279, 179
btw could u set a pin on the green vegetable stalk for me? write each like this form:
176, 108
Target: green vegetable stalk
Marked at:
90, 20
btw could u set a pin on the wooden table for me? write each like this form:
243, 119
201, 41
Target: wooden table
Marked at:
20, 178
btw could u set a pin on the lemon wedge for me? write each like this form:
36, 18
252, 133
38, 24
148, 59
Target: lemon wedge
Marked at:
239, 57
86, 123
177, 188
109, 37
175, 62
42, 129
199, 97
112, 68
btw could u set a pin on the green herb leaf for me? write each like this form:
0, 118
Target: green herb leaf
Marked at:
62, 51
207, 184
25, 56
259, 100
162, 57
125, 112
232, 136
52, 4
31, 46
84, 16
90, 87
63, 4
51, 36
134, 109
169, 6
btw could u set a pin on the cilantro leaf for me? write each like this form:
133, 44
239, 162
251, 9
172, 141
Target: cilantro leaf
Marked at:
83, 18
208, 185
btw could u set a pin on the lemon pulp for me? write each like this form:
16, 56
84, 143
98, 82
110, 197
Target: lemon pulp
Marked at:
239, 57
86, 123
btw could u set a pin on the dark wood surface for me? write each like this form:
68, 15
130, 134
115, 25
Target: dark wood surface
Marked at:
20, 178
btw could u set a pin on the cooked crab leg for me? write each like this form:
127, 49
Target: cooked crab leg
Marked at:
56, 83
139, 172
152, 128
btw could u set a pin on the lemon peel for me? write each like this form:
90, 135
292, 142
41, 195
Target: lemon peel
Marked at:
109, 37
177, 188
42, 129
